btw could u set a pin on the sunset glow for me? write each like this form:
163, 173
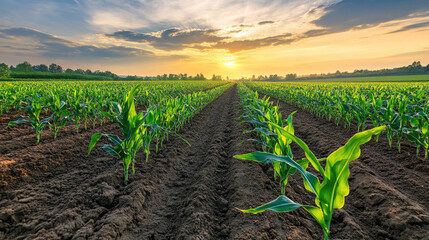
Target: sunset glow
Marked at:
229, 64
264, 37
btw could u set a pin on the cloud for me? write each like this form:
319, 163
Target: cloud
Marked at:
358, 14
152, 16
174, 39
241, 45
412, 26
48, 45
170, 39
176, 25
265, 22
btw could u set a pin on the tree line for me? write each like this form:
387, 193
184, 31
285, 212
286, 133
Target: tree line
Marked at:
35, 70
55, 71
171, 76
413, 69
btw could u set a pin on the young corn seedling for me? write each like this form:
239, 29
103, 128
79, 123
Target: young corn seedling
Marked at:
60, 115
260, 113
33, 110
331, 193
134, 130
419, 131
277, 144
78, 107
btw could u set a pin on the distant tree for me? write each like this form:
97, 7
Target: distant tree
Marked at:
427, 68
54, 68
41, 68
24, 67
69, 70
11, 68
290, 76
79, 71
416, 64
201, 77
274, 77
135, 77
173, 77
88, 72
216, 77
4, 70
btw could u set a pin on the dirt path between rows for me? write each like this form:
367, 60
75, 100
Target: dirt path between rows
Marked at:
199, 197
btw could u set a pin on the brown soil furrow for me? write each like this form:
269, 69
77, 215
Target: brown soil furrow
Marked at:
199, 197
32, 160
386, 199
191, 203
20, 137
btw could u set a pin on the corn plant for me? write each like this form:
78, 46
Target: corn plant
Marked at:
33, 109
60, 115
393, 105
134, 129
78, 107
261, 112
331, 193
419, 131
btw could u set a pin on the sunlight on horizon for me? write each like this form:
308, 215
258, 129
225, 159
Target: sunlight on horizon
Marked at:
229, 38
229, 64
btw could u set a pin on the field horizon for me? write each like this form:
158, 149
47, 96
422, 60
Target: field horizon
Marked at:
188, 119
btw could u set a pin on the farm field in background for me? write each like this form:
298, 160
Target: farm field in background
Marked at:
389, 79
168, 161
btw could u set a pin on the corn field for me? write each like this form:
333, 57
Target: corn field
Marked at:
192, 159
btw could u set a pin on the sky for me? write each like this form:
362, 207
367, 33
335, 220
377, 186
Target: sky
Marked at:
222, 37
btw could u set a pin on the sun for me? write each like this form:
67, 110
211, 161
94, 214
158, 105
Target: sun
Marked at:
229, 64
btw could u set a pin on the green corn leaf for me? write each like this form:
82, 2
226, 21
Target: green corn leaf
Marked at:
111, 150
284, 204
142, 118
115, 139
116, 107
21, 120
94, 140
263, 157
258, 123
335, 186
281, 204
308, 153
264, 131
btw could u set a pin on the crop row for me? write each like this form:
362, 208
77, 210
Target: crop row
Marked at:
402, 107
168, 108
12, 94
139, 130
275, 135
56, 103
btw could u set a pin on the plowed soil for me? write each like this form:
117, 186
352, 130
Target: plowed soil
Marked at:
55, 190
